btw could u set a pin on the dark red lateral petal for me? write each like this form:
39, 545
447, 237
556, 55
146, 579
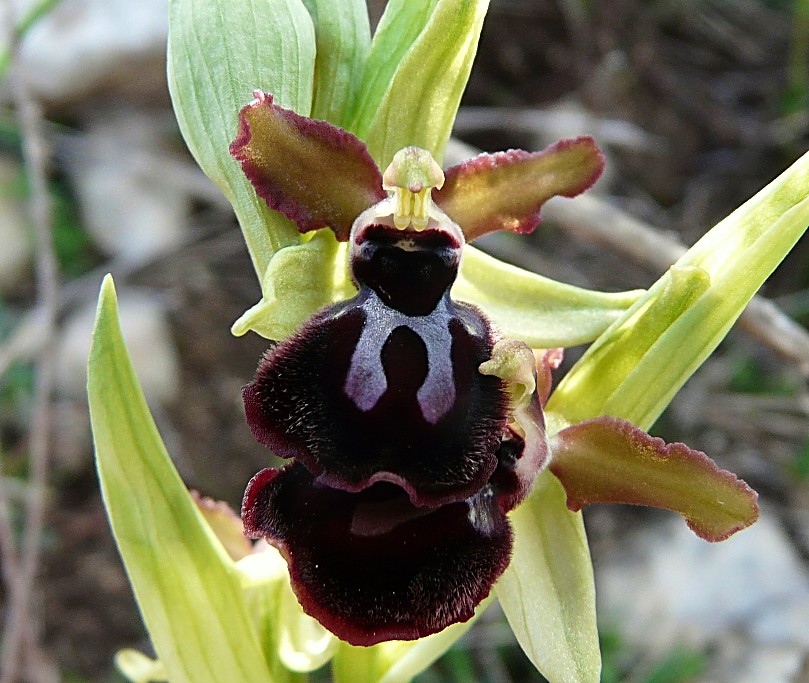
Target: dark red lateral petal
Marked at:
505, 190
314, 173
372, 567
607, 460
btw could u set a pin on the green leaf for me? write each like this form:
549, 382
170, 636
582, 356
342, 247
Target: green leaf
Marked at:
542, 313
343, 36
219, 51
187, 587
424, 84
635, 368
547, 592
398, 28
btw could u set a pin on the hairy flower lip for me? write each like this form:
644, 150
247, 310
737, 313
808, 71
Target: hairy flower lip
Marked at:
299, 407
420, 498
371, 566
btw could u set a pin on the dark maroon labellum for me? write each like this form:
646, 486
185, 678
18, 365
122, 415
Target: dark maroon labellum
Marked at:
392, 519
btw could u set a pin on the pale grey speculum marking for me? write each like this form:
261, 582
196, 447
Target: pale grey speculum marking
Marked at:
366, 382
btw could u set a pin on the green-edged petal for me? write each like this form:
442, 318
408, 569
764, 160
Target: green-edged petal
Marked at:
422, 88
343, 36
635, 368
299, 281
611, 461
505, 190
314, 173
187, 587
547, 592
541, 312
219, 51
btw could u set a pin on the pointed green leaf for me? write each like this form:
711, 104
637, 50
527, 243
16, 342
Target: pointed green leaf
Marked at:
423, 91
187, 587
605, 460
620, 353
547, 592
343, 36
219, 51
635, 368
541, 312
398, 28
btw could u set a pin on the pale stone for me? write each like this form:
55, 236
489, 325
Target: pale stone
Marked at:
129, 210
82, 47
668, 586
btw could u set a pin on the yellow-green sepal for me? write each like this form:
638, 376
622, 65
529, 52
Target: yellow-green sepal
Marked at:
299, 281
541, 312
548, 590
634, 369
416, 72
343, 36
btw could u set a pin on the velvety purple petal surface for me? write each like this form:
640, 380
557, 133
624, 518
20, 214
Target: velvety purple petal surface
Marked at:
399, 400
606, 460
371, 566
505, 190
314, 173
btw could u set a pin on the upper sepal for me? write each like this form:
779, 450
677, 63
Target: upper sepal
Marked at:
607, 460
314, 173
505, 190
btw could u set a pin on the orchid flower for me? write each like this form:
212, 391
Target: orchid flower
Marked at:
409, 443
408, 379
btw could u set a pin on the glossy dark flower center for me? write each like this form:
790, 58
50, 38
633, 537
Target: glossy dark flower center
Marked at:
408, 270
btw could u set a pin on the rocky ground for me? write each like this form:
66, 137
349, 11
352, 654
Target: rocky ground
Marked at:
697, 104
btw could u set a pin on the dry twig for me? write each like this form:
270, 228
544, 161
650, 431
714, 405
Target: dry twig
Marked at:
19, 633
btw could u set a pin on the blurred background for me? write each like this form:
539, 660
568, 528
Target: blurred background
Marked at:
697, 103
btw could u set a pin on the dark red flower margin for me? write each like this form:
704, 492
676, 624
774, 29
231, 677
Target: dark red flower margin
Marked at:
412, 428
